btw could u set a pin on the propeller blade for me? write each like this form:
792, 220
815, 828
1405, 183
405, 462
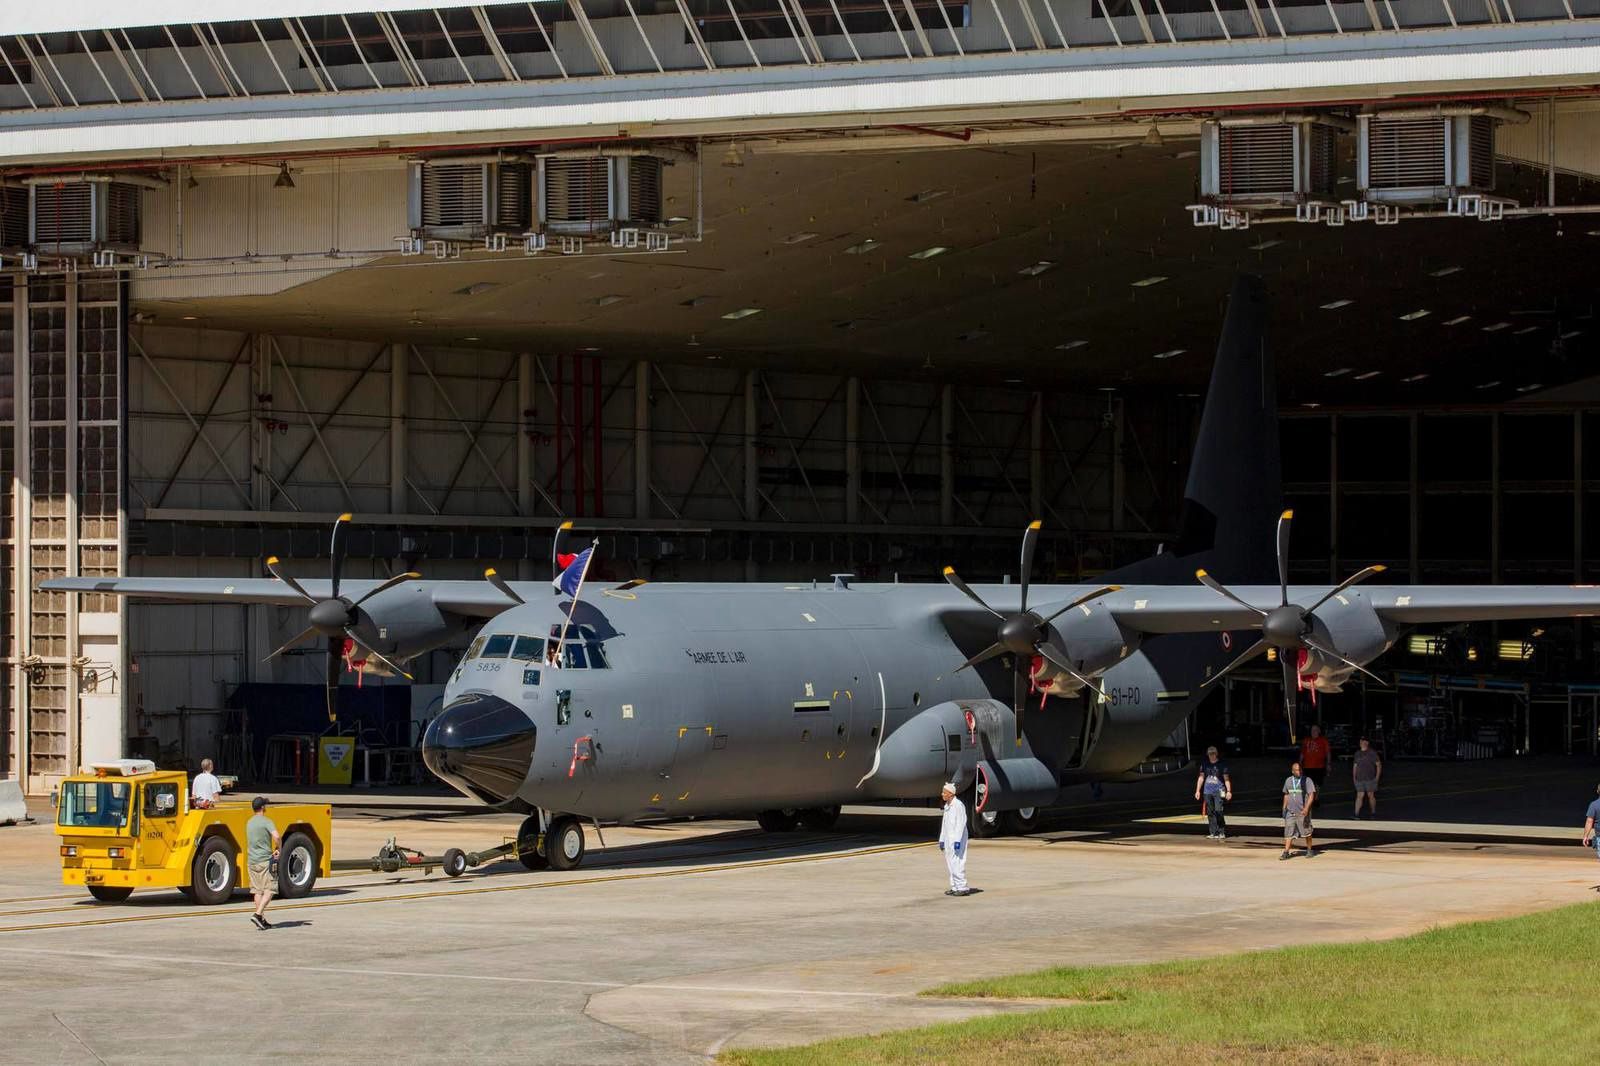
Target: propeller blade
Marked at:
1216, 586
378, 656
499, 582
272, 568
1291, 685
296, 639
1104, 590
1351, 580
1056, 659
982, 657
1283, 554
556, 544
1329, 653
336, 552
335, 657
1019, 697
398, 579
1252, 652
951, 576
1030, 541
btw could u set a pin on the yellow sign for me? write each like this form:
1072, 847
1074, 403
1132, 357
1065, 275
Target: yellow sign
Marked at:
336, 760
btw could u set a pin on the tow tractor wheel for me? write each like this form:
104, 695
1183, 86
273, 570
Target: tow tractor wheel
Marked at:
778, 821
216, 871
109, 894
819, 818
298, 862
563, 843
1021, 822
455, 862
528, 852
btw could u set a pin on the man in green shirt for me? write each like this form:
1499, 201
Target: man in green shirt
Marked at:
261, 847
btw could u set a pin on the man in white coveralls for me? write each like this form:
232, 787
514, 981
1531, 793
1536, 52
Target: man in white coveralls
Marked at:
953, 840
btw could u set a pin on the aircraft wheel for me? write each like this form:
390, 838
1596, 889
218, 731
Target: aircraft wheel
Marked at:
455, 862
985, 824
782, 821
109, 894
1021, 822
216, 872
818, 818
563, 843
528, 852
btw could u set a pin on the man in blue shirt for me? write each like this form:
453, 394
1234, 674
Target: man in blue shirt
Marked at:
1591, 816
1215, 788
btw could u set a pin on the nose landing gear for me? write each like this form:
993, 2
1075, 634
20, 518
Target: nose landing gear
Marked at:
559, 845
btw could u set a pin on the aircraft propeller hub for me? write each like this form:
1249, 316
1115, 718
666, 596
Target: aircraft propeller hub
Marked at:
1021, 633
331, 617
1285, 626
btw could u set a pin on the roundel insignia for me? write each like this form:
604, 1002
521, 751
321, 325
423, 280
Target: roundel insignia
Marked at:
1227, 641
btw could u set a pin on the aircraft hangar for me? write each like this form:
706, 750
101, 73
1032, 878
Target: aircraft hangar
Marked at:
771, 290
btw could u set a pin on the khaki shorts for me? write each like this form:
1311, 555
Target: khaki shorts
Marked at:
261, 879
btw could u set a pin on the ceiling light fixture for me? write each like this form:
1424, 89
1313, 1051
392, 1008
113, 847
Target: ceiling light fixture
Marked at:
1488, 385
1067, 347
1336, 304
1456, 321
1153, 138
1524, 330
1444, 272
743, 312
693, 301
1038, 268
1145, 283
477, 287
676, 220
608, 300
733, 157
1529, 388
1414, 378
1261, 246
927, 194
1367, 376
1571, 333
283, 180
799, 238
1341, 372
1173, 353
1497, 327
863, 248
1412, 316
929, 253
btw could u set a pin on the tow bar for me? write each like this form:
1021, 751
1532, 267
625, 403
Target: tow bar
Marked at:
393, 858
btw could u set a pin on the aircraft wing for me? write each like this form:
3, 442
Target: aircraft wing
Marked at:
1176, 609
472, 599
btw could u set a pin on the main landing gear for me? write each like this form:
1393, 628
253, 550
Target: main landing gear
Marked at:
554, 845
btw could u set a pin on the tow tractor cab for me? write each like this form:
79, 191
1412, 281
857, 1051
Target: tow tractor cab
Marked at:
125, 825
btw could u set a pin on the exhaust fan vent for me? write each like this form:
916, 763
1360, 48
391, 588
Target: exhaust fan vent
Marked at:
13, 216
466, 200
1267, 163
598, 195
77, 216
1426, 159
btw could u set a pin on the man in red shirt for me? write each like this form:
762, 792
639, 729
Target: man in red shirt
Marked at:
1314, 756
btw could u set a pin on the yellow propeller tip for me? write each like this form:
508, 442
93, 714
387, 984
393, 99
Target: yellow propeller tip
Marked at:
272, 560
949, 570
1200, 573
1379, 568
490, 572
1035, 525
566, 525
413, 574
1113, 588
1287, 514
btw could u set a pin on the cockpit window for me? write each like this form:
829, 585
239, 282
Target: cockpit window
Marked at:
476, 647
580, 650
528, 649
575, 657
499, 646
597, 658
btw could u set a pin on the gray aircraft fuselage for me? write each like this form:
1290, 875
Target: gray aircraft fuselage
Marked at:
740, 698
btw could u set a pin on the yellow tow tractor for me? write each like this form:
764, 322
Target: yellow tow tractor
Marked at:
125, 825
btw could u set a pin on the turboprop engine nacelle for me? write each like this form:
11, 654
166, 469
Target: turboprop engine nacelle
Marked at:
1349, 625
1092, 638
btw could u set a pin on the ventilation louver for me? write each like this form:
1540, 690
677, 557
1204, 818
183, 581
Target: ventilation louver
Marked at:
1267, 164
82, 216
463, 200
598, 195
13, 216
1425, 159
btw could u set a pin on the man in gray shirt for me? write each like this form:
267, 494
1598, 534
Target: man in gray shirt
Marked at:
261, 843
1299, 792
1365, 771
1591, 818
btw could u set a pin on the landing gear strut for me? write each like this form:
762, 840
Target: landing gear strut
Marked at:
562, 846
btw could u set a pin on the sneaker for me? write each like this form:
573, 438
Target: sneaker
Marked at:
962, 892
950, 892
1311, 853
258, 921
1285, 855
1222, 836
1211, 836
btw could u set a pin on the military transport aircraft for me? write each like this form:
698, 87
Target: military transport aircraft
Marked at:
785, 701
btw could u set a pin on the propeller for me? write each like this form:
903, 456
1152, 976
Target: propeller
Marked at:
336, 616
1287, 627
1023, 634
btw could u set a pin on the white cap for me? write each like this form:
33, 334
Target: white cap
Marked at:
949, 786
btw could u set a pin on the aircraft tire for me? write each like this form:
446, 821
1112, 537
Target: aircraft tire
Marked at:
984, 824
563, 843
782, 821
818, 818
109, 893
528, 852
1021, 823
455, 862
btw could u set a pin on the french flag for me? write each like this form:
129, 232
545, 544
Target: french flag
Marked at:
573, 568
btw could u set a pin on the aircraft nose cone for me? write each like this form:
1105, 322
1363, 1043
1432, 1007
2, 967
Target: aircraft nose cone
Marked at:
482, 745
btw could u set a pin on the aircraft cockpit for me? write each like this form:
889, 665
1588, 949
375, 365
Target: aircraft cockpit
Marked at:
581, 650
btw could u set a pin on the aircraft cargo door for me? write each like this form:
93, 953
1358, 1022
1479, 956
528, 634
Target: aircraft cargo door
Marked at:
689, 767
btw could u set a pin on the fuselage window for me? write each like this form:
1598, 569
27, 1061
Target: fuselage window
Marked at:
476, 647
528, 649
498, 646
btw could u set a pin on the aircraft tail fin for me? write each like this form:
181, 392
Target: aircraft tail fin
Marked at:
1235, 488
